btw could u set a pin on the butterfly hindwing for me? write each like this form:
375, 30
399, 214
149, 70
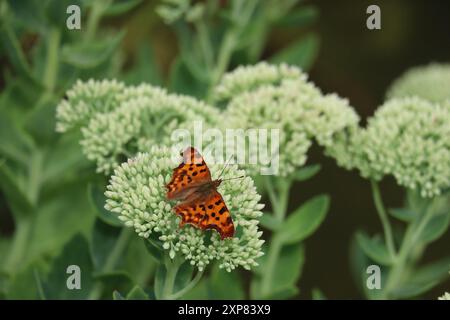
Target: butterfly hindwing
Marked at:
191, 173
207, 211
217, 216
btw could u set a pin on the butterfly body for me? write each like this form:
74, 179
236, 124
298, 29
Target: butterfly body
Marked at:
201, 203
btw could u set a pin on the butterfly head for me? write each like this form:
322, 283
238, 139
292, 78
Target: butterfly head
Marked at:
217, 182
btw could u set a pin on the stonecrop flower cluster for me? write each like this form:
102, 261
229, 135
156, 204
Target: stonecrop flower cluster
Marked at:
280, 97
117, 121
430, 82
406, 138
137, 194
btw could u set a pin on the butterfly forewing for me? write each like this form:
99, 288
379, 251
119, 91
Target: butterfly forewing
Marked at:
191, 173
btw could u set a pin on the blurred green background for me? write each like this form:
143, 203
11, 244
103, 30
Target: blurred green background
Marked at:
355, 62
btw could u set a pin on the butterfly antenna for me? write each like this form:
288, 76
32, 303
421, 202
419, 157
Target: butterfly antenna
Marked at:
226, 165
241, 177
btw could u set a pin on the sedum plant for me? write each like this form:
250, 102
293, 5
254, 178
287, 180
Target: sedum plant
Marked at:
117, 121
136, 191
137, 194
280, 97
407, 139
120, 122
44, 176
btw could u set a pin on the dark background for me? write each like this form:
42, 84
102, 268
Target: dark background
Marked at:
358, 64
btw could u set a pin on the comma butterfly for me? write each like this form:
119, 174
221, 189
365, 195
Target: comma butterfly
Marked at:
201, 204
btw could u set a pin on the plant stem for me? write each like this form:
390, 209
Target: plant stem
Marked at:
51, 66
384, 218
190, 285
34, 180
172, 267
205, 43
279, 207
269, 269
94, 18
240, 15
24, 222
271, 191
19, 244
112, 260
52, 63
412, 234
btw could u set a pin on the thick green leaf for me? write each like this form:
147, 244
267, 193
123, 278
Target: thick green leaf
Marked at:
117, 296
317, 294
114, 281
154, 248
190, 55
299, 18
21, 95
75, 252
23, 285
433, 272
306, 172
184, 276
269, 222
277, 294
41, 123
424, 279
104, 237
305, 220
301, 53
14, 143
374, 248
39, 285
10, 45
86, 55
137, 262
283, 293
15, 195
416, 202
121, 7
200, 292
145, 68
181, 80
64, 160
97, 200
289, 267
56, 221
226, 285
5, 245
287, 271
56, 12
403, 214
435, 228
158, 285
30, 13
359, 262
137, 294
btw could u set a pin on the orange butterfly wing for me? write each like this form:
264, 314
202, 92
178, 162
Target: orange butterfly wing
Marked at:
188, 176
207, 211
